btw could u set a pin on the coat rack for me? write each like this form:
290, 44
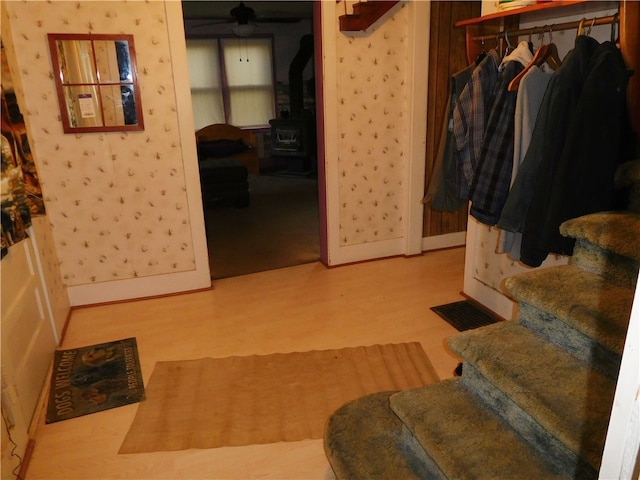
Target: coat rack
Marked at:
611, 19
504, 26
627, 19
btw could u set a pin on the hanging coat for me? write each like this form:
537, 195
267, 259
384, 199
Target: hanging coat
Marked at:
469, 117
598, 139
443, 186
493, 176
530, 94
559, 103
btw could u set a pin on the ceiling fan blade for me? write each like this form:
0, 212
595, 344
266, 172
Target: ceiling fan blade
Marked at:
278, 20
210, 22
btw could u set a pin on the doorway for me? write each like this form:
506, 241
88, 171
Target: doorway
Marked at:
280, 226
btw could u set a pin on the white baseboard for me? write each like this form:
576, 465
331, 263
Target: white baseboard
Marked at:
447, 240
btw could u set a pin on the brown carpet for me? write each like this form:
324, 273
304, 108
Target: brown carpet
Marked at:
257, 399
280, 228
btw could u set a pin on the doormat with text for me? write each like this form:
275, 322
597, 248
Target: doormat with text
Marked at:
95, 378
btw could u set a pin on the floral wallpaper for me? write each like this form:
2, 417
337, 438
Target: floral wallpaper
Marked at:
116, 201
373, 125
493, 268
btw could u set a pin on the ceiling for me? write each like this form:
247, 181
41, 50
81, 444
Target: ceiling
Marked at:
201, 9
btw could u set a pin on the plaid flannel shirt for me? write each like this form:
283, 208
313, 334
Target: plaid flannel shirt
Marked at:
469, 117
492, 181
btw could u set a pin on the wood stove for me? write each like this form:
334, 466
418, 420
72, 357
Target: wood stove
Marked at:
293, 136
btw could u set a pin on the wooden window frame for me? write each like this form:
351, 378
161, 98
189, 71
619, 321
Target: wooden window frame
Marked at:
97, 86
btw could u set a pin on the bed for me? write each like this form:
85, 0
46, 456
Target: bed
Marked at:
224, 140
226, 157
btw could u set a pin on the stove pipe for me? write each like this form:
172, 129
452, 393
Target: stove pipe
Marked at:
296, 82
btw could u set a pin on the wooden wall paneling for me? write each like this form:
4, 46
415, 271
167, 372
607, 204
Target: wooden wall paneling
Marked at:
447, 55
458, 221
437, 49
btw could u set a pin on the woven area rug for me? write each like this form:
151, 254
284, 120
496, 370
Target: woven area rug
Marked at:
464, 315
258, 399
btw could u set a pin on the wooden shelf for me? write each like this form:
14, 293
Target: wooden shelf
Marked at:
489, 26
554, 4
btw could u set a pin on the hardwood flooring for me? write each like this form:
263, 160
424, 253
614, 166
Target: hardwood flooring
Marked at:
298, 308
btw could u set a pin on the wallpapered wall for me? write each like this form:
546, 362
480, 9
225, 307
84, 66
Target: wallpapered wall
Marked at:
493, 268
116, 201
373, 128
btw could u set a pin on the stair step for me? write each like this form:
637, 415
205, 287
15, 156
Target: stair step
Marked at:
535, 395
607, 244
614, 231
364, 439
465, 439
581, 346
540, 389
586, 302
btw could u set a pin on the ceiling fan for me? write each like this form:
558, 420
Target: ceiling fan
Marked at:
243, 20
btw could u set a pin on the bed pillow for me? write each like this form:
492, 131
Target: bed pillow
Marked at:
221, 148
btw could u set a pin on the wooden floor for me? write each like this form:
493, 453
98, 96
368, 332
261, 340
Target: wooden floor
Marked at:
298, 308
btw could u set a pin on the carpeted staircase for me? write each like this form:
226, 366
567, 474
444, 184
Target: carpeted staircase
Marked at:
536, 393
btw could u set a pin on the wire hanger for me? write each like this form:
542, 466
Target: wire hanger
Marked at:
590, 27
579, 32
481, 55
509, 48
552, 58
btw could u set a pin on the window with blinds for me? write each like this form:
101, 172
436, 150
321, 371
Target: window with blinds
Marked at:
232, 81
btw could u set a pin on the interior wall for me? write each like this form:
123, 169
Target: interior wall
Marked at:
120, 205
373, 133
373, 126
123, 206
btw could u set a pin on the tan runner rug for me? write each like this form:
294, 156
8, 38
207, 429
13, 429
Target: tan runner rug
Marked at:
215, 402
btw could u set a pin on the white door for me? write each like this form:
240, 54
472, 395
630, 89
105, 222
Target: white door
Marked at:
28, 339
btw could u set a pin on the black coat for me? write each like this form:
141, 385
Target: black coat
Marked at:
576, 173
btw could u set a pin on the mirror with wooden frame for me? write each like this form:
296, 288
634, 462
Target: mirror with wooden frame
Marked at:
97, 82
